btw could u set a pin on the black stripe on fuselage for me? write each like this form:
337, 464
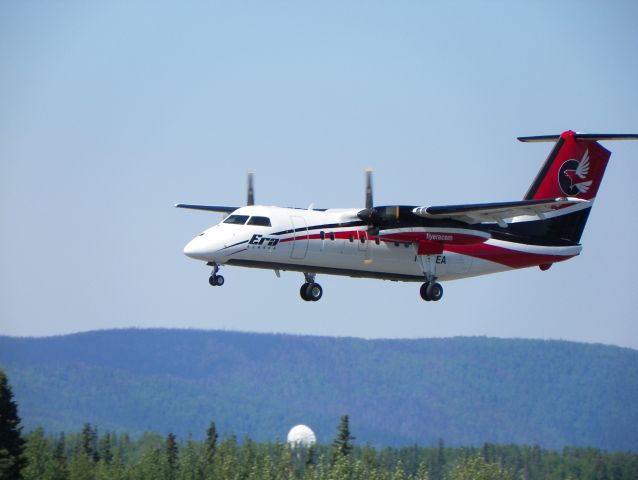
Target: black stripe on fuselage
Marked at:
324, 226
235, 244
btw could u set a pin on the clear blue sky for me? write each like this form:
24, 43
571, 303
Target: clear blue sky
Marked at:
111, 112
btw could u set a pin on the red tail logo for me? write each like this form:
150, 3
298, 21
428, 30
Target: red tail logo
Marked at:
564, 175
573, 176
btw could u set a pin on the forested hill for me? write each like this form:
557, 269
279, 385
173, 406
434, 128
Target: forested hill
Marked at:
466, 391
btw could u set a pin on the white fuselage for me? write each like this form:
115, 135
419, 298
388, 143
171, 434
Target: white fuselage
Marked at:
336, 242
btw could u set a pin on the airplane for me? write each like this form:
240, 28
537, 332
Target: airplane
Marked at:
412, 243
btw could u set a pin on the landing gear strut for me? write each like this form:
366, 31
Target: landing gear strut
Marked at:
214, 279
310, 291
431, 290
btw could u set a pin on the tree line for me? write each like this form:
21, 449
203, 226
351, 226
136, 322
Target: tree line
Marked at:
93, 455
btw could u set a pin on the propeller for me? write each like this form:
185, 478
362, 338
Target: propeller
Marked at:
250, 194
369, 215
373, 216
369, 212
369, 188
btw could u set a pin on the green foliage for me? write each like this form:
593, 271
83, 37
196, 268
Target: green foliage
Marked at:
149, 457
476, 468
81, 467
41, 464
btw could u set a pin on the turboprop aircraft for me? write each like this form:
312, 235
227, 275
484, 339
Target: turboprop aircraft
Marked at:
426, 244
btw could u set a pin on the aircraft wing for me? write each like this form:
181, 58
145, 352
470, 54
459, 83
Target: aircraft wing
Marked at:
496, 212
208, 208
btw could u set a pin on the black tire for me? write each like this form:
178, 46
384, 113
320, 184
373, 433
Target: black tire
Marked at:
424, 291
220, 280
212, 280
434, 291
314, 292
302, 292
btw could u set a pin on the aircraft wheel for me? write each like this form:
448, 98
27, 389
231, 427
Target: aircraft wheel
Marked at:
216, 280
424, 291
434, 291
314, 292
302, 292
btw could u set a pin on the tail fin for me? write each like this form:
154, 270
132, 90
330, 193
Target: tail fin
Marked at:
574, 168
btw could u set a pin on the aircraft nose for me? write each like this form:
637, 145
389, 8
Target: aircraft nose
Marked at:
195, 249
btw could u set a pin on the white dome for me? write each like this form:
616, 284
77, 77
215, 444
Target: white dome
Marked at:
301, 435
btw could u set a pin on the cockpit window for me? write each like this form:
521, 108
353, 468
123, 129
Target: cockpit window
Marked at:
236, 219
259, 221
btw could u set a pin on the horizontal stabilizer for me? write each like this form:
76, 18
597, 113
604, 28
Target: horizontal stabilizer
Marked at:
208, 208
496, 212
582, 136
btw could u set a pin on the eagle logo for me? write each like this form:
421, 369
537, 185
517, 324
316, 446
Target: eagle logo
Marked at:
572, 176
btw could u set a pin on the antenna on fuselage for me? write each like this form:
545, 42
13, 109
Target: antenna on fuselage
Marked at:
250, 196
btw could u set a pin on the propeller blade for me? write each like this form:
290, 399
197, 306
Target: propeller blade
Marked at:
369, 201
250, 200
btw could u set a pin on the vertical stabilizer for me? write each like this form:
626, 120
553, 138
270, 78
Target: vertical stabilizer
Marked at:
574, 168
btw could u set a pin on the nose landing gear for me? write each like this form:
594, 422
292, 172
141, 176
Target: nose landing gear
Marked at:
214, 279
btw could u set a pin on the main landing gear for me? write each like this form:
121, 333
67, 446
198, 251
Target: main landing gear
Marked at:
431, 291
214, 279
310, 291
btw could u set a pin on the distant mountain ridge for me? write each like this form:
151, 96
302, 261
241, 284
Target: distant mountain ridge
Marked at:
466, 391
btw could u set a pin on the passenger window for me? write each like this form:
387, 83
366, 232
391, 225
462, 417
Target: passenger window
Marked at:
236, 219
259, 221
351, 238
322, 234
332, 235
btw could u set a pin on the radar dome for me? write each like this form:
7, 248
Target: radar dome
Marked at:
301, 435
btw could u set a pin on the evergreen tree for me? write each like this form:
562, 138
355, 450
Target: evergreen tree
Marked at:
59, 454
190, 462
171, 451
11, 441
105, 447
150, 465
40, 463
81, 467
439, 461
399, 472
342, 445
88, 442
211, 442
422, 472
